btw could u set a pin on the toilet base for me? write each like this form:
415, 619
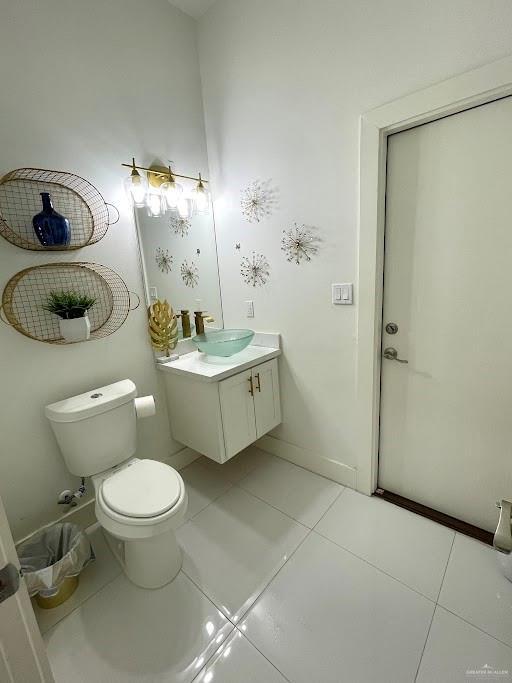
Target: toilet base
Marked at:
148, 562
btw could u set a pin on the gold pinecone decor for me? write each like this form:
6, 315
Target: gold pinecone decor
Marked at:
163, 326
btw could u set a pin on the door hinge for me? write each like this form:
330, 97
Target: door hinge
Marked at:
9, 581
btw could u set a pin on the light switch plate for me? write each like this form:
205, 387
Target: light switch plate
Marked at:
342, 293
250, 309
153, 293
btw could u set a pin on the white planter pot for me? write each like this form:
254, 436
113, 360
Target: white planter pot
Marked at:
76, 329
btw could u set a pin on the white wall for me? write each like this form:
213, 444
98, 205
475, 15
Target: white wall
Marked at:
284, 85
86, 85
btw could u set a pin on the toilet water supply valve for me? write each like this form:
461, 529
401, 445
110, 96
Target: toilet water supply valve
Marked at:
70, 498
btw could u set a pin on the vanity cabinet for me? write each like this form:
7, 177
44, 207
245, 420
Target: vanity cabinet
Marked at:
221, 418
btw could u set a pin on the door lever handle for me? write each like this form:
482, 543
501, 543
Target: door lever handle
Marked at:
392, 354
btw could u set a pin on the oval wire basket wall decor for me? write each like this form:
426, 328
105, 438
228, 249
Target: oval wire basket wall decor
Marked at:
72, 196
27, 291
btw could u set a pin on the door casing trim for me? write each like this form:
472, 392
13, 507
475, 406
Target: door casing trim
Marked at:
473, 88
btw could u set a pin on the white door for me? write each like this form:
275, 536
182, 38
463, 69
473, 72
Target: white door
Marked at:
446, 415
237, 408
22, 654
267, 404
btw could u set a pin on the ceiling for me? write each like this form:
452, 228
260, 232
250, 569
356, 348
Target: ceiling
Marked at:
195, 8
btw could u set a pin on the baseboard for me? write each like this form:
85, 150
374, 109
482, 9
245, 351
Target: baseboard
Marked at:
84, 516
332, 469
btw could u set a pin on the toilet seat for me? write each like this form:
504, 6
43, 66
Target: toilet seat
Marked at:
144, 489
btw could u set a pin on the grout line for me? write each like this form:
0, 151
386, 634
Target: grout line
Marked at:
262, 654
478, 628
310, 531
258, 592
80, 604
382, 571
425, 643
330, 506
446, 568
249, 493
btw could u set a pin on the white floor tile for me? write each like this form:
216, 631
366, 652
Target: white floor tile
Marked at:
125, 634
457, 651
94, 577
303, 495
475, 589
330, 617
237, 661
239, 466
203, 485
411, 548
234, 547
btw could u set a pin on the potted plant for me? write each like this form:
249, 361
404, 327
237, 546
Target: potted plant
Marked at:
72, 308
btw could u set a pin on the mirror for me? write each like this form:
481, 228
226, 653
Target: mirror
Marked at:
179, 262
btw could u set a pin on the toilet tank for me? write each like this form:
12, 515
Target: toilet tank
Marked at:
96, 430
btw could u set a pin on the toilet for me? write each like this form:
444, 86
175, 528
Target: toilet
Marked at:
138, 502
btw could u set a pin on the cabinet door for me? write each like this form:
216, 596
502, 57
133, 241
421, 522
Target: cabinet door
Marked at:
266, 397
237, 408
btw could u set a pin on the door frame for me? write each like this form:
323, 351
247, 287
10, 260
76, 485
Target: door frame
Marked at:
473, 88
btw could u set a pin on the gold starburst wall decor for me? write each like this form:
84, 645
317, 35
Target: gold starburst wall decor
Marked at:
258, 200
163, 260
163, 326
256, 270
300, 243
189, 274
179, 226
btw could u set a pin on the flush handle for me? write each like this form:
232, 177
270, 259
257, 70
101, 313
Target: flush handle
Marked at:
392, 354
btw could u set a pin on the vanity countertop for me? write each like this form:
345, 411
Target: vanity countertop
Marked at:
203, 368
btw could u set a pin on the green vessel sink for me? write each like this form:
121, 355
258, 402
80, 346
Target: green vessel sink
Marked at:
223, 342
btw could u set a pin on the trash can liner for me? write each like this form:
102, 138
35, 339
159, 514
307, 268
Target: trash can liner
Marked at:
54, 554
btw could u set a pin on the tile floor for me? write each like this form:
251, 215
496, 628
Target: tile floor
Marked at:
288, 576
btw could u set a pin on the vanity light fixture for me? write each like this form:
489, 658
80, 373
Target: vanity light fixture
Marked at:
171, 190
159, 192
155, 204
201, 197
136, 186
185, 207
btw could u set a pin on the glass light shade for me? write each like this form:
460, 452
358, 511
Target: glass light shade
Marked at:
201, 198
172, 191
136, 187
185, 207
155, 204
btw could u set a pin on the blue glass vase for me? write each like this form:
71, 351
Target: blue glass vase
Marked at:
52, 229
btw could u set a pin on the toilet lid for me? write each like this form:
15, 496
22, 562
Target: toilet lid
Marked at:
146, 488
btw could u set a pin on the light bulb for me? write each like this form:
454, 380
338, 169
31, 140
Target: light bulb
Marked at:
201, 198
136, 187
155, 204
185, 207
172, 192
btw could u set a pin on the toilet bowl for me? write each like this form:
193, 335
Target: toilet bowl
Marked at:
140, 503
